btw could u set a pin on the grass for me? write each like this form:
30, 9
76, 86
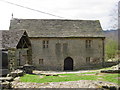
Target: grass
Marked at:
35, 78
112, 78
71, 77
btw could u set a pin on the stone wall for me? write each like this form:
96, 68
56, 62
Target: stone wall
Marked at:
0, 62
12, 59
30, 55
52, 58
21, 56
0, 59
24, 56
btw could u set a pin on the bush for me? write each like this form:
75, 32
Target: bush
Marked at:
111, 49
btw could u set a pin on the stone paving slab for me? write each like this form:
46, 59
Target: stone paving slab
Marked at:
60, 72
6, 78
68, 84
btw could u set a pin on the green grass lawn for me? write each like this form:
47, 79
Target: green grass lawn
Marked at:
71, 77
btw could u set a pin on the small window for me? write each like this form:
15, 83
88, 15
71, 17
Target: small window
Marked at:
40, 61
88, 43
87, 59
45, 43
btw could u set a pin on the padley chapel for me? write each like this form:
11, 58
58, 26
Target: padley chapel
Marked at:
58, 44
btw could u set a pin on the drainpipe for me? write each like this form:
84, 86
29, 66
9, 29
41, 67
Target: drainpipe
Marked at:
103, 57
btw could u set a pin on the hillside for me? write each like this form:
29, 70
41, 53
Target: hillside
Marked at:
111, 35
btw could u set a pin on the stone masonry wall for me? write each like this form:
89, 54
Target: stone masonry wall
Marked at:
58, 49
12, 59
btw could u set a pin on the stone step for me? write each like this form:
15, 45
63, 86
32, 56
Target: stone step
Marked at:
110, 71
17, 73
6, 78
5, 85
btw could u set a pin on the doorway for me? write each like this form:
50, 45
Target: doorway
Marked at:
4, 60
68, 63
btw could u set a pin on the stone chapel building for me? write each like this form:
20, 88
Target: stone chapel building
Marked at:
61, 44
15, 50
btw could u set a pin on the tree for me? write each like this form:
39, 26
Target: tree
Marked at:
111, 49
114, 16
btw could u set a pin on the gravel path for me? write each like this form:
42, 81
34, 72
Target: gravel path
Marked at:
61, 72
69, 84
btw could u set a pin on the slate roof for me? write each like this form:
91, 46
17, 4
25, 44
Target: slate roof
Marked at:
10, 39
58, 27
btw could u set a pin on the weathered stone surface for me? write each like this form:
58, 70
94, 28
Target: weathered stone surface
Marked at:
4, 72
13, 43
28, 68
55, 57
111, 87
69, 84
14, 74
11, 58
20, 73
6, 85
65, 39
17, 73
17, 78
116, 67
110, 71
112, 63
50, 74
58, 27
6, 78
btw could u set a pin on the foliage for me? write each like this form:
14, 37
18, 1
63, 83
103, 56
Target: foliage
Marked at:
111, 49
114, 16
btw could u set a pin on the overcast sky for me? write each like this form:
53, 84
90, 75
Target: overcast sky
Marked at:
69, 9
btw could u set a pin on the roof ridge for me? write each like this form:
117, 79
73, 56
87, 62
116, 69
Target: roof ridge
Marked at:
55, 19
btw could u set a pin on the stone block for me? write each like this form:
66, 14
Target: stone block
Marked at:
20, 73
14, 74
17, 73
110, 71
28, 68
6, 85
6, 78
